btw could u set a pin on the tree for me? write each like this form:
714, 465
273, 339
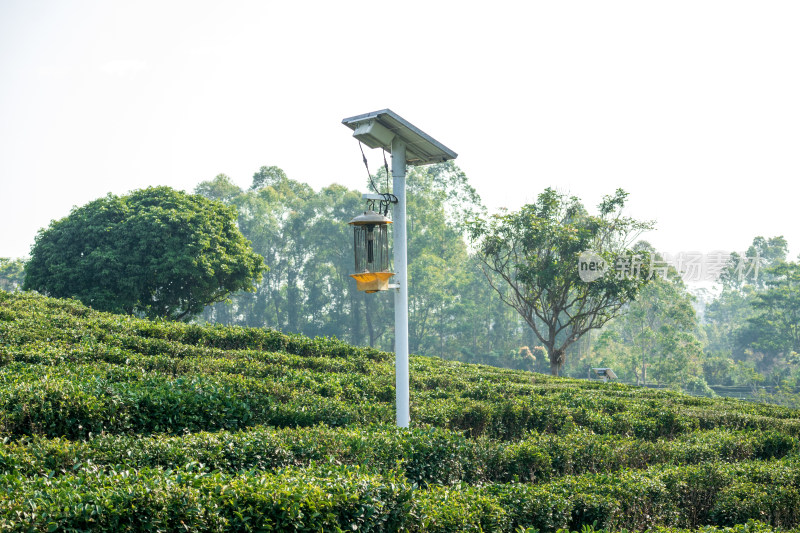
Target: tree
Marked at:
155, 252
221, 188
12, 273
735, 328
333, 305
656, 335
723, 316
535, 253
439, 201
304, 236
774, 332
752, 268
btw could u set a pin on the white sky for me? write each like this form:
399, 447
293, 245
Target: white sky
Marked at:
693, 107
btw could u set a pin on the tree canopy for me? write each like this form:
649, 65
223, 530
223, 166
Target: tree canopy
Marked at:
156, 252
656, 335
774, 331
304, 236
531, 258
668, 335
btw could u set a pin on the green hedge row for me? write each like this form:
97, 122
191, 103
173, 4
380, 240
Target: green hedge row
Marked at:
179, 359
751, 526
331, 498
428, 456
510, 418
719, 494
194, 499
83, 400
146, 394
522, 450
499, 403
28, 317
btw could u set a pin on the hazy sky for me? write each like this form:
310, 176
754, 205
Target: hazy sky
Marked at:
693, 107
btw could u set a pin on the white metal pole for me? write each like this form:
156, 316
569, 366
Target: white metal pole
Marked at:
401, 273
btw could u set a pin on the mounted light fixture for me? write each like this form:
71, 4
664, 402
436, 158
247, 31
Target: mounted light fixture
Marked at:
373, 134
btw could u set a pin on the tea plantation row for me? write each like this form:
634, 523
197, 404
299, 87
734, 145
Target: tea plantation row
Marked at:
426, 456
112, 423
327, 497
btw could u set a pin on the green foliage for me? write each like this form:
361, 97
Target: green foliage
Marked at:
304, 237
190, 497
455, 314
12, 273
427, 456
775, 329
531, 258
656, 337
748, 269
752, 326
113, 423
155, 252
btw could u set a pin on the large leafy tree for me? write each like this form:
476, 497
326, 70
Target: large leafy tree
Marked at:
531, 258
157, 252
440, 199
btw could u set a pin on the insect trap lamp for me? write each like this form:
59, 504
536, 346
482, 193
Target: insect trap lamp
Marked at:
371, 246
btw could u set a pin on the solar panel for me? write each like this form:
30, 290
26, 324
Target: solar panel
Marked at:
379, 128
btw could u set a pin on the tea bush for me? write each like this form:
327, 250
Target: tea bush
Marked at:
113, 423
192, 498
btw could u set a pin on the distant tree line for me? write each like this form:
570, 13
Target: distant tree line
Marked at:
500, 290
746, 336
306, 242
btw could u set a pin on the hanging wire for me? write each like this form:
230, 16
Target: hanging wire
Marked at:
388, 198
366, 165
386, 167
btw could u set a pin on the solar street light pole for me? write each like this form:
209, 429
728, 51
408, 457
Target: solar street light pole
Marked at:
408, 145
401, 272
